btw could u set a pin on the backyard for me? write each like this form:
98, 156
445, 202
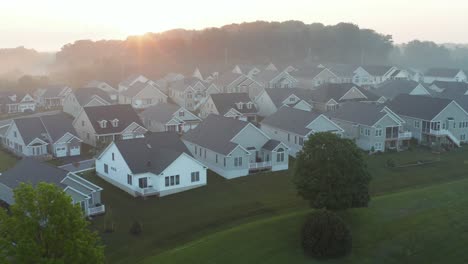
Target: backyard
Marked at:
175, 220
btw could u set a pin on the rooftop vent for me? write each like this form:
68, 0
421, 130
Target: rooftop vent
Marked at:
148, 145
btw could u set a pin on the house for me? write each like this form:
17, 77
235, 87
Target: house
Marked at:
371, 75
311, 76
276, 79
52, 96
294, 126
142, 95
169, 117
42, 136
445, 75
373, 127
157, 164
12, 102
81, 191
246, 69
234, 148
392, 88
233, 105
344, 72
102, 124
230, 82
132, 79
441, 87
111, 91
432, 121
75, 101
330, 96
270, 100
191, 92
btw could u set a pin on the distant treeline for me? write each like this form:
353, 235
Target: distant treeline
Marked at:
216, 49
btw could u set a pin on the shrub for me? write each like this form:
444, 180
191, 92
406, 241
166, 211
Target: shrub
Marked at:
325, 235
135, 228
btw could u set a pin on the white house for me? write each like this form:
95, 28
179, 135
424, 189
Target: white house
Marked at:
233, 105
169, 117
157, 164
191, 92
270, 100
392, 88
111, 91
293, 127
371, 75
41, 136
231, 82
52, 96
234, 148
445, 75
84, 97
16, 102
276, 79
142, 95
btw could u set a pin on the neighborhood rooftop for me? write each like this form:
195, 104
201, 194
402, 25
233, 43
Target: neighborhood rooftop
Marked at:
225, 101
291, 119
360, 113
124, 113
422, 107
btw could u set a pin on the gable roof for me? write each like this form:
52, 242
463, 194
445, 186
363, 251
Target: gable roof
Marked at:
442, 72
58, 125
266, 75
85, 95
358, 112
30, 128
153, 153
226, 101
422, 107
227, 78
291, 119
377, 70
391, 88
29, 170
136, 88
451, 85
132, 78
124, 113
342, 70
335, 91
162, 112
182, 84
54, 91
277, 96
215, 133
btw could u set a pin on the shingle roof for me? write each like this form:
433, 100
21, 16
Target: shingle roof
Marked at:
422, 107
307, 72
271, 144
153, 153
452, 90
391, 88
227, 78
357, 112
182, 84
291, 119
124, 113
215, 133
58, 125
335, 91
53, 91
266, 75
343, 70
442, 72
162, 112
30, 128
136, 88
376, 70
84, 95
127, 82
225, 101
451, 85
279, 95
31, 171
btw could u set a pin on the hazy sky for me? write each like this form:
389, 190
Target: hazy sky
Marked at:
47, 25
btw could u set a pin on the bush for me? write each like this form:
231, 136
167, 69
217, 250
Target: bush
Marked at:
135, 228
325, 235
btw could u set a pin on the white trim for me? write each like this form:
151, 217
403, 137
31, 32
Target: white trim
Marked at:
352, 89
454, 102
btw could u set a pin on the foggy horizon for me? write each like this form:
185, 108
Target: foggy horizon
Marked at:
48, 26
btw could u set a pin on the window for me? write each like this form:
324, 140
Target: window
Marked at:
224, 162
87, 135
295, 139
115, 123
205, 153
216, 158
113, 156
301, 141
378, 146
129, 179
143, 182
103, 123
289, 137
196, 150
416, 124
237, 161
181, 113
292, 99
239, 105
15, 134
378, 132
82, 123
280, 155
172, 180
195, 176
462, 137
106, 168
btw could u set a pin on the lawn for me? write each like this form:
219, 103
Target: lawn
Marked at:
7, 160
178, 219
426, 225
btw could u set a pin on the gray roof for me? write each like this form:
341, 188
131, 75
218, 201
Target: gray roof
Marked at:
335, 91
215, 133
451, 85
357, 112
30, 129
162, 112
422, 107
225, 101
271, 144
127, 82
124, 113
442, 72
182, 84
291, 119
307, 72
53, 91
266, 76
137, 87
58, 125
377, 70
84, 95
342, 70
153, 153
31, 171
391, 88
279, 95
227, 78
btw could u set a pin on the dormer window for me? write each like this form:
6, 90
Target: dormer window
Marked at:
103, 123
239, 105
115, 122
249, 105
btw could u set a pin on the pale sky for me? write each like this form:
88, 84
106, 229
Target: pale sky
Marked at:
47, 25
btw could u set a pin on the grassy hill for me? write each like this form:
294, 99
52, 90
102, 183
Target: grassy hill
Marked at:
176, 220
427, 225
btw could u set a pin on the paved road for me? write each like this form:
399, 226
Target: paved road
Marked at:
8, 121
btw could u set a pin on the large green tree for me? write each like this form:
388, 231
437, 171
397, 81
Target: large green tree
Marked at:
331, 173
43, 226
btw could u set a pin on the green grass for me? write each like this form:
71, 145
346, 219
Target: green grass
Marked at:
175, 220
426, 225
7, 160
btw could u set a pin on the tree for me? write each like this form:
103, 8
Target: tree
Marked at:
325, 235
43, 226
331, 173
